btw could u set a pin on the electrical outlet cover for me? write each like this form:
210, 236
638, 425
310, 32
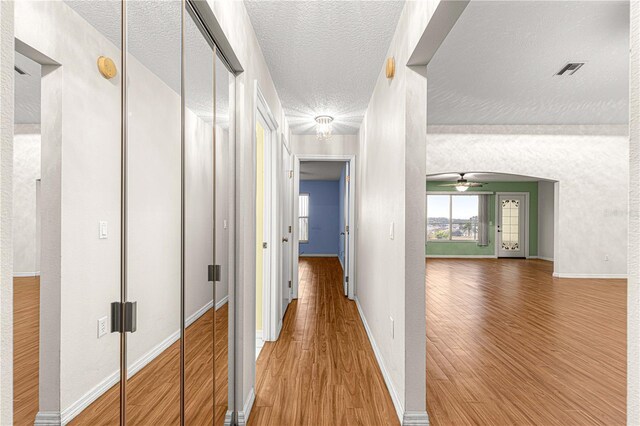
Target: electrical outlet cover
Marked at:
102, 327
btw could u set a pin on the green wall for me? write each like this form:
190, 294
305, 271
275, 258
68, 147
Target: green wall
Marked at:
457, 248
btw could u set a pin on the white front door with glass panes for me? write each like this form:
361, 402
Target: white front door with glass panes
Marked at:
510, 229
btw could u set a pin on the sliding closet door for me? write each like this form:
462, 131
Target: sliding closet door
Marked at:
154, 210
68, 92
200, 152
224, 172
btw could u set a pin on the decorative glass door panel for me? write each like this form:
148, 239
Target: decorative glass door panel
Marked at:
510, 229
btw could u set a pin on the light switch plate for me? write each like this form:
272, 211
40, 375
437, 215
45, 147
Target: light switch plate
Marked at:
225, 223
393, 328
391, 231
104, 230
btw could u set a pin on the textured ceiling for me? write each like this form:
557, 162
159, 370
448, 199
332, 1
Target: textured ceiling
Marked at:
154, 39
481, 177
27, 91
498, 63
324, 56
321, 170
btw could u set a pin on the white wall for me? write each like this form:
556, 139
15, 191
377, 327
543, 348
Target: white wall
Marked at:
199, 211
26, 170
391, 272
589, 162
337, 145
223, 182
633, 295
6, 211
153, 229
546, 195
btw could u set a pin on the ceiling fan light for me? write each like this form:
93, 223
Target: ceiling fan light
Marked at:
461, 188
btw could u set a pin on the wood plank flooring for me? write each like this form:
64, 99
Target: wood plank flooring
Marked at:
506, 344
26, 332
322, 370
509, 344
153, 394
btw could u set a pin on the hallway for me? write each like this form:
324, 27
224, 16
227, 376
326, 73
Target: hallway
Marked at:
505, 338
322, 370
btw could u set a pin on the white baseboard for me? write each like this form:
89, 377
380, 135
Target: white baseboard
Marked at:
88, 398
415, 418
228, 418
385, 373
243, 416
259, 342
548, 259
26, 274
222, 302
461, 256
591, 276
317, 255
48, 418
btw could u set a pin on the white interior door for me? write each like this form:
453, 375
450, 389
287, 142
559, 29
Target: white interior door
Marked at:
346, 212
511, 230
286, 227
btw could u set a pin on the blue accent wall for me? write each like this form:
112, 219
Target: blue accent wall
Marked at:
324, 213
341, 224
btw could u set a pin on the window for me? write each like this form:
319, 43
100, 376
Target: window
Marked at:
303, 217
452, 217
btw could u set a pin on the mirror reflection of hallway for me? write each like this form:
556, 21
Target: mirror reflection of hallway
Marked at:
26, 238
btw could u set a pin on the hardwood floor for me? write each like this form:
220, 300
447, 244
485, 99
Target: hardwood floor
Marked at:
508, 344
153, 394
26, 332
322, 370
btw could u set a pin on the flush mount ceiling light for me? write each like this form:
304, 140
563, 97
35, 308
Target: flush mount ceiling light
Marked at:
323, 127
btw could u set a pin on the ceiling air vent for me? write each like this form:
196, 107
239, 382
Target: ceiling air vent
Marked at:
570, 68
19, 70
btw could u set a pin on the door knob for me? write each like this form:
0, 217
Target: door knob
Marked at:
285, 240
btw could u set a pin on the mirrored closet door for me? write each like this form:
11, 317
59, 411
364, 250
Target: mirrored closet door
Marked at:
200, 186
208, 89
146, 105
154, 207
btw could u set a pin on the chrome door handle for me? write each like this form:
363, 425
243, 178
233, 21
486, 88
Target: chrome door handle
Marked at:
285, 240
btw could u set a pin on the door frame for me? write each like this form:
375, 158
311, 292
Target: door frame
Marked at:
270, 222
526, 221
286, 197
351, 186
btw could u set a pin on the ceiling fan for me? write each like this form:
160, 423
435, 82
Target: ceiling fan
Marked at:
462, 184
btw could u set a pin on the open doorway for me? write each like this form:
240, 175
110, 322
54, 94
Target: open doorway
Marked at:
266, 222
531, 311
491, 215
26, 238
324, 211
